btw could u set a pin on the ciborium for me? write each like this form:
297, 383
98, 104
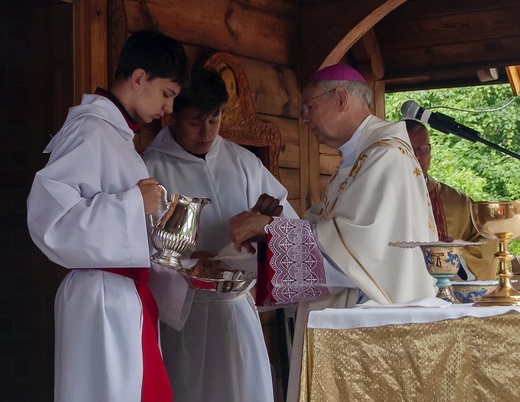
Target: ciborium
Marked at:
442, 262
175, 229
500, 221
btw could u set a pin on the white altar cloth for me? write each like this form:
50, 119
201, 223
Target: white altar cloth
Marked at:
358, 317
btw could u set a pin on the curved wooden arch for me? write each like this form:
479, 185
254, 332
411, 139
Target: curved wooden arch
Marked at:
329, 25
240, 122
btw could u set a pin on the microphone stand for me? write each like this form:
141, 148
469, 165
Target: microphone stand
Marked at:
476, 137
448, 125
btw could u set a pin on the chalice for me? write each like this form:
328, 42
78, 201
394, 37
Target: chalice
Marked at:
500, 221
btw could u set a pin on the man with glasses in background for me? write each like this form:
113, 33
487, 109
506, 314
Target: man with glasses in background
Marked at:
452, 212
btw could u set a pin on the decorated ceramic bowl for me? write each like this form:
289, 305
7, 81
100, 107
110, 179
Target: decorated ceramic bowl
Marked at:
442, 259
471, 291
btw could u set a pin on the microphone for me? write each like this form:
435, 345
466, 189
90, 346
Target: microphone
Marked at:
438, 121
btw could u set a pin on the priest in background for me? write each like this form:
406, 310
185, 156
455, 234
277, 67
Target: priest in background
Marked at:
452, 213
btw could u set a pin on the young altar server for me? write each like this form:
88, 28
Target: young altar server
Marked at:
87, 212
219, 353
377, 196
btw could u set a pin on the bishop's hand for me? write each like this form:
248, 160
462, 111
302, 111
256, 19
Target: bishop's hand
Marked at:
267, 205
248, 227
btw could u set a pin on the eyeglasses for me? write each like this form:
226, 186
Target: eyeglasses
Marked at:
305, 109
422, 150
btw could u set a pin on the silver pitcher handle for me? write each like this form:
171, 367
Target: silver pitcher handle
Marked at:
165, 195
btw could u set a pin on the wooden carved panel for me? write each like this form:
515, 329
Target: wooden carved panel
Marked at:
240, 123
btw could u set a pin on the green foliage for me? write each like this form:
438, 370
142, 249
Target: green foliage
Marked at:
474, 168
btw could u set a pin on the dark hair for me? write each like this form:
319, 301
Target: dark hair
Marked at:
412, 125
157, 54
206, 93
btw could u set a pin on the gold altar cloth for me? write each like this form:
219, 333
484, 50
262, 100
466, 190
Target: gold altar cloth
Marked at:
466, 359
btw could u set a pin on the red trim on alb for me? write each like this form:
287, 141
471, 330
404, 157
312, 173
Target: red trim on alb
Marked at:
156, 385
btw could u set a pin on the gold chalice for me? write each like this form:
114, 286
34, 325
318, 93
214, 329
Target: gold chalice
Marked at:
500, 221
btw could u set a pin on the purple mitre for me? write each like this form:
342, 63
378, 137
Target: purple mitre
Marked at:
337, 72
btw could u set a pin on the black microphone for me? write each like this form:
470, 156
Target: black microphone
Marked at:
438, 121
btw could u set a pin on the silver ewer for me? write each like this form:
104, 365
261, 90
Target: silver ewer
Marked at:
174, 232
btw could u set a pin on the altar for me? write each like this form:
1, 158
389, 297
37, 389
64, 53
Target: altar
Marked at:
455, 353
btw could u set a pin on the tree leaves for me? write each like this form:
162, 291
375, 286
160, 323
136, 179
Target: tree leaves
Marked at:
472, 167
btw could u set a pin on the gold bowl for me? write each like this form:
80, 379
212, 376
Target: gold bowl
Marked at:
497, 220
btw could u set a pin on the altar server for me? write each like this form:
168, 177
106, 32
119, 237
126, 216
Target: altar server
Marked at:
214, 349
377, 196
87, 212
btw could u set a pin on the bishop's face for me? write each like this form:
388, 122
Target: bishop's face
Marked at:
330, 115
316, 113
196, 131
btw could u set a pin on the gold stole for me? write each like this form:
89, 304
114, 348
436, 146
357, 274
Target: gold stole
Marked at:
438, 213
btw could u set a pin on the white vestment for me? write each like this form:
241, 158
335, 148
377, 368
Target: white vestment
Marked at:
85, 211
382, 198
220, 353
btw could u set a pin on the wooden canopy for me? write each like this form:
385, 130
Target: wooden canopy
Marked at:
414, 44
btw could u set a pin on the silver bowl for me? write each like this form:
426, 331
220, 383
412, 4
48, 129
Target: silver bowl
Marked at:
220, 277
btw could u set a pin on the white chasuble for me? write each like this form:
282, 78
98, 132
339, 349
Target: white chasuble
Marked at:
382, 198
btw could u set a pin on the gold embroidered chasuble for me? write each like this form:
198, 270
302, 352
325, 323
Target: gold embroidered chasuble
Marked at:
453, 219
382, 198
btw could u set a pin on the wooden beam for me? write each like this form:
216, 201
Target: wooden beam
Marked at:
474, 22
378, 101
327, 33
368, 56
513, 75
257, 29
447, 57
90, 46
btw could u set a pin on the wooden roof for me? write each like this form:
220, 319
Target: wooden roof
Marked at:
418, 44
